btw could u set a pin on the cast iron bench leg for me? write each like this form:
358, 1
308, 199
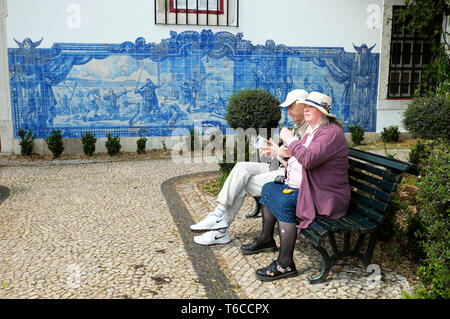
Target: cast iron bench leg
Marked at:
327, 264
370, 248
255, 213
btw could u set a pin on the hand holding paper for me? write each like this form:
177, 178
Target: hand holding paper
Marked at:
270, 149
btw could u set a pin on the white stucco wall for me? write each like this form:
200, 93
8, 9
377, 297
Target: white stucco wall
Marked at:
388, 110
290, 22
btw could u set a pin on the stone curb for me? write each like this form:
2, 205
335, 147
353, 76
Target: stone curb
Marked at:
205, 264
4, 193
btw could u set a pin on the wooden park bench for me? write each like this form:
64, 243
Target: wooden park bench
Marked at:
373, 178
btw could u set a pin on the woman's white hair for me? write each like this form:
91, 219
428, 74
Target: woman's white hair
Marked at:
325, 120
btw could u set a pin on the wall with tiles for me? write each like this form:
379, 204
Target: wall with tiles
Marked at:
151, 86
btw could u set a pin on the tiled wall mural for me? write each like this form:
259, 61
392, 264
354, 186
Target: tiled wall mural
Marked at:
148, 89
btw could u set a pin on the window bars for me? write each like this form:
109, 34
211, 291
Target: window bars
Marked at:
197, 12
409, 53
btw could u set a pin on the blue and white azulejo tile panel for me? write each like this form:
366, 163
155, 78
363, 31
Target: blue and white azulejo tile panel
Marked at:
149, 89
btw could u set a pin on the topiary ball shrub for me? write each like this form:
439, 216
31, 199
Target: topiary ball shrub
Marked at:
428, 118
253, 109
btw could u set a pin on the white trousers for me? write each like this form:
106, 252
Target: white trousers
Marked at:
245, 178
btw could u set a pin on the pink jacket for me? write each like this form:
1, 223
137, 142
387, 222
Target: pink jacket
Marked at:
324, 190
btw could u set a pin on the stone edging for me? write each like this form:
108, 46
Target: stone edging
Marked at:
4, 193
210, 274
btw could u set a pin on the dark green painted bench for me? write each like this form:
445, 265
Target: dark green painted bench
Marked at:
373, 178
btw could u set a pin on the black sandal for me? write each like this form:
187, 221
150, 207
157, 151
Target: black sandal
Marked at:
275, 271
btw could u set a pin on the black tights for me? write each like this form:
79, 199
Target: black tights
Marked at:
288, 236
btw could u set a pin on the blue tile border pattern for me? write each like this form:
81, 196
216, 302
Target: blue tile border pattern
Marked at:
149, 89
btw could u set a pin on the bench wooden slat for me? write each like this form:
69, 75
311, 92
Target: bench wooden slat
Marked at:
365, 211
354, 223
385, 197
311, 235
346, 226
369, 201
379, 159
399, 166
328, 224
386, 174
318, 229
385, 185
362, 220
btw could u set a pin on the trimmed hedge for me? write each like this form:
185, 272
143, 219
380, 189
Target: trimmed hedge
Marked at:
428, 118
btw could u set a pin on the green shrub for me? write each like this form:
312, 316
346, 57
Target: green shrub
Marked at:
253, 109
430, 227
26, 142
390, 134
428, 118
419, 152
88, 140
357, 134
55, 143
141, 145
113, 144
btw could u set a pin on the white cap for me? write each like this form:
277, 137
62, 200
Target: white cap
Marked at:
294, 96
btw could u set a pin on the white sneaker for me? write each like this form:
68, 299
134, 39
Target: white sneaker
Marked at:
210, 222
213, 237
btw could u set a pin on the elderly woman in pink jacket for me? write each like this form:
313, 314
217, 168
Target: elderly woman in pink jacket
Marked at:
315, 184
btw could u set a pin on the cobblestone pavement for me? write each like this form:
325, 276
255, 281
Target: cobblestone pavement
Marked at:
109, 230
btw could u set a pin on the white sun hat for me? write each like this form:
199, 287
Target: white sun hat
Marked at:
321, 102
294, 96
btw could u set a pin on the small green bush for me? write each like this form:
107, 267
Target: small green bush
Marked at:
113, 145
428, 118
430, 227
88, 140
26, 142
357, 134
55, 143
141, 145
390, 134
419, 152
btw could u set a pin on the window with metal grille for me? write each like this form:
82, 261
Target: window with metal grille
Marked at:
197, 12
409, 53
